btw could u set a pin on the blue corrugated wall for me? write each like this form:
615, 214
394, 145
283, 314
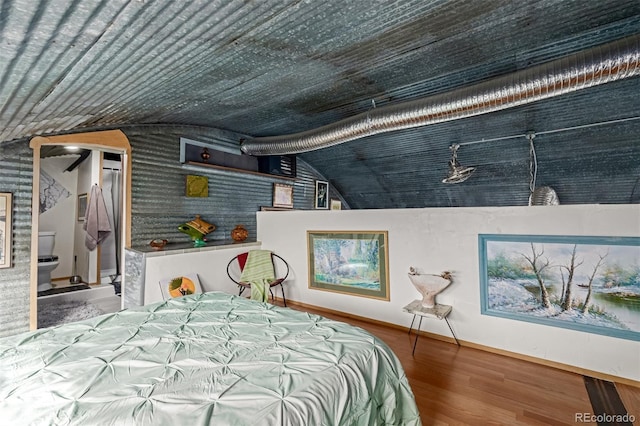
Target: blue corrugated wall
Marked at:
159, 203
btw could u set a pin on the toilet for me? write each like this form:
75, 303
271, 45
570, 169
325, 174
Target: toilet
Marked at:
47, 262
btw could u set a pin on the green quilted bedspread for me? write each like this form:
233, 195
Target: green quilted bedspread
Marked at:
211, 358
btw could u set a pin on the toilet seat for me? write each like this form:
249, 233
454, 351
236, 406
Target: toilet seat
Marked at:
42, 259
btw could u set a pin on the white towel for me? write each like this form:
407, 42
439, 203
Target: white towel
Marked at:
96, 220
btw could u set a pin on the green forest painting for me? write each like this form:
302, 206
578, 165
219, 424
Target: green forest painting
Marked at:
349, 262
590, 284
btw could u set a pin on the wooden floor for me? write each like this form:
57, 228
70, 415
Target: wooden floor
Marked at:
461, 385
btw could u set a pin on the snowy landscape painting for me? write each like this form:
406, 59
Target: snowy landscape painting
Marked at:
590, 284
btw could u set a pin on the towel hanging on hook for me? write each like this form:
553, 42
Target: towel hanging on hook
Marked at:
96, 219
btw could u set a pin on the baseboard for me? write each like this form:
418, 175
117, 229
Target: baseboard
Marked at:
554, 364
546, 362
61, 279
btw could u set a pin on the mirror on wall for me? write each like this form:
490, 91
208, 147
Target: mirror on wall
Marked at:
74, 281
81, 195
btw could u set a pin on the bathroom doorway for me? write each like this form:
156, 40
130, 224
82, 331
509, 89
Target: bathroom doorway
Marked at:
86, 282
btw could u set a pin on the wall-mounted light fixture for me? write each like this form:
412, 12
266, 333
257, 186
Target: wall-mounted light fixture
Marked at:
457, 172
543, 195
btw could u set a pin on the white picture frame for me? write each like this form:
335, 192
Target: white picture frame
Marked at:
192, 286
83, 199
282, 195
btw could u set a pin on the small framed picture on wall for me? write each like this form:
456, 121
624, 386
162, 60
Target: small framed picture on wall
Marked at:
322, 194
82, 206
282, 196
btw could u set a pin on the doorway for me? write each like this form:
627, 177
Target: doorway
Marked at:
110, 144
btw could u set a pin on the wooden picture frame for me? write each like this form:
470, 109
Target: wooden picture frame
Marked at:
349, 262
322, 195
6, 229
589, 284
275, 209
282, 195
82, 206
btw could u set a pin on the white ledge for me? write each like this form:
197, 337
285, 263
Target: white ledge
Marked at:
180, 248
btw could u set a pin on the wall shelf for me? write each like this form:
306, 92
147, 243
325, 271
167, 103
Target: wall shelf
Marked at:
235, 169
201, 154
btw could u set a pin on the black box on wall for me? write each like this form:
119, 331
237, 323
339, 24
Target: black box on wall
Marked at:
281, 165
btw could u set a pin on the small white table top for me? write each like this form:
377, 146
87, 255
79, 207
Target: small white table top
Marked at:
439, 311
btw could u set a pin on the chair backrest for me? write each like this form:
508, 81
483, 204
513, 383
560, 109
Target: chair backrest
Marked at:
236, 266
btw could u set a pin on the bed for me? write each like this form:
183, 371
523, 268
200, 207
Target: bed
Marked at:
210, 358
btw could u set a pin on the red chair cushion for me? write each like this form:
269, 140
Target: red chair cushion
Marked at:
242, 260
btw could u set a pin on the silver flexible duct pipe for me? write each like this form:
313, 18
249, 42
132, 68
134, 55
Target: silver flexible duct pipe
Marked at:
592, 67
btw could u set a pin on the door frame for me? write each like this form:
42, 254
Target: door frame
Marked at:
107, 141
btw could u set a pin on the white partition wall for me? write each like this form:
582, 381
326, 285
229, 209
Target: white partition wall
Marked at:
209, 263
446, 239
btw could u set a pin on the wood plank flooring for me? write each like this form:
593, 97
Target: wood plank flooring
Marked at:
461, 385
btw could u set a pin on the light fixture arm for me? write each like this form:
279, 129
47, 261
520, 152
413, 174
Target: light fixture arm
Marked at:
454, 153
533, 165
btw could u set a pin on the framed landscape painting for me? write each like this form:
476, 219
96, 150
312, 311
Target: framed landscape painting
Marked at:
349, 262
590, 284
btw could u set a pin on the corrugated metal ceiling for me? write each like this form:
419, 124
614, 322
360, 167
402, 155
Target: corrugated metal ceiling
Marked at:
273, 67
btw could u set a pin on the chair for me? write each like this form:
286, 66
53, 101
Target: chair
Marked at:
236, 266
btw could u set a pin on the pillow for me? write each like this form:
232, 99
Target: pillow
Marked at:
180, 286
